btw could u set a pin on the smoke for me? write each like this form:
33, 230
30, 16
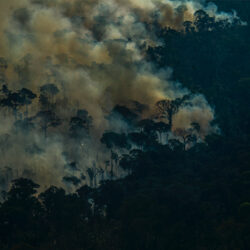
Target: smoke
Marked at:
93, 51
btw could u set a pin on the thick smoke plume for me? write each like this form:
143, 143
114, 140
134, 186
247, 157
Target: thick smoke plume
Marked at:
93, 52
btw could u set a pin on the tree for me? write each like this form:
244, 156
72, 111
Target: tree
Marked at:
91, 174
22, 189
47, 94
53, 199
203, 21
15, 100
187, 136
84, 192
80, 125
139, 139
122, 113
162, 128
86, 118
129, 161
11, 100
78, 129
72, 180
111, 139
166, 109
27, 97
47, 119
114, 140
147, 126
3, 67
188, 25
175, 145
195, 127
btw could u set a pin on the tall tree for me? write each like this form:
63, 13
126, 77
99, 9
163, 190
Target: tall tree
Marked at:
114, 140
47, 119
168, 108
27, 97
47, 96
80, 125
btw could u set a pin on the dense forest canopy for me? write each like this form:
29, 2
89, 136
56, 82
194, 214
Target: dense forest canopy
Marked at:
124, 124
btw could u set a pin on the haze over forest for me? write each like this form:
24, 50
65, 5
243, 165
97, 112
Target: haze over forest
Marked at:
124, 114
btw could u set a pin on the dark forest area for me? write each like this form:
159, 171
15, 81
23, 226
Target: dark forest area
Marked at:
187, 194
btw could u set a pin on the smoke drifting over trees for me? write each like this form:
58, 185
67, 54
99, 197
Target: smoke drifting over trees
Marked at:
77, 92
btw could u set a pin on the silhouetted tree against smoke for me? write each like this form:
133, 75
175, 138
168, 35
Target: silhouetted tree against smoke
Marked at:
148, 130
122, 113
80, 125
129, 161
47, 119
22, 189
203, 21
115, 159
188, 25
176, 145
187, 192
138, 108
195, 126
162, 128
72, 180
52, 199
72, 166
3, 67
111, 139
86, 118
91, 174
15, 100
12, 100
186, 135
84, 193
27, 97
114, 140
101, 173
4, 96
147, 126
167, 109
138, 138
47, 94
5, 90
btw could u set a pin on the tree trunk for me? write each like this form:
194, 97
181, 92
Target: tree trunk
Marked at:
26, 112
111, 165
